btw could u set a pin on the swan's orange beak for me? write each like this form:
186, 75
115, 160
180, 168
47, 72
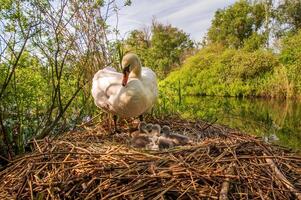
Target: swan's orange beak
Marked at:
125, 78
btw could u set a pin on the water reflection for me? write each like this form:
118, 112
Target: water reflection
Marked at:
275, 120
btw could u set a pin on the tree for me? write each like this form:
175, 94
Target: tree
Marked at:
49, 51
163, 49
288, 16
233, 25
168, 45
16, 30
291, 58
140, 43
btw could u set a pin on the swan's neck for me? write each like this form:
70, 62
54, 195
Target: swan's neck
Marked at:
136, 72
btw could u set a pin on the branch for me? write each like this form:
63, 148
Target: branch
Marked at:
47, 130
6, 82
226, 184
283, 179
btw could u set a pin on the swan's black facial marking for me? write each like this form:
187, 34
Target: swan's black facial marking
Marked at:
126, 72
126, 69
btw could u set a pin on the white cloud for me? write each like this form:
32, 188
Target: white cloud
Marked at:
192, 16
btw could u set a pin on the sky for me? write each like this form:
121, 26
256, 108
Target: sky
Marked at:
192, 16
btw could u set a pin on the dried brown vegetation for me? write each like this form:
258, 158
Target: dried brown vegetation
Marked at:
93, 164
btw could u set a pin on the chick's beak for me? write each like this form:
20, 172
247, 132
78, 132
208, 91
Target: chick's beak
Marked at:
125, 78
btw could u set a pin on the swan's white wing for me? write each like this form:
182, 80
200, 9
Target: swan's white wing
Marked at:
149, 80
131, 100
106, 82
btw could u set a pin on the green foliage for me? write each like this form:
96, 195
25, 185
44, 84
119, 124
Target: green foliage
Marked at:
163, 50
24, 100
235, 24
47, 61
216, 71
291, 58
168, 45
291, 49
288, 15
254, 42
139, 42
6, 4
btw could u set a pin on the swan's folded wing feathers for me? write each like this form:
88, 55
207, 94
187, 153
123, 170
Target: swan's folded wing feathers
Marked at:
150, 80
137, 97
106, 82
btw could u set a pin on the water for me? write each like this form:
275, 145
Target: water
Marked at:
277, 121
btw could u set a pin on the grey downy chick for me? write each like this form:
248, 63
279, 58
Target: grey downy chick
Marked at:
178, 139
162, 141
149, 127
152, 145
153, 135
165, 143
156, 130
140, 138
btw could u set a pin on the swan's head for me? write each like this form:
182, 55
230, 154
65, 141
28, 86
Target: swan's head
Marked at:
142, 127
149, 127
166, 130
156, 129
130, 62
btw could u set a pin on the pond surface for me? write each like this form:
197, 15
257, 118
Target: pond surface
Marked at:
277, 121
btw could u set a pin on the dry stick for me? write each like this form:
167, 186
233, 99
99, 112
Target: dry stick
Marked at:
207, 125
188, 187
226, 184
283, 179
85, 123
30, 189
37, 145
24, 181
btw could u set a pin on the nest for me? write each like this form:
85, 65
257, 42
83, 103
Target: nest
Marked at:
92, 164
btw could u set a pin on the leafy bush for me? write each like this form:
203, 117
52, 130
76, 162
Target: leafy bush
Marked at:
217, 71
291, 58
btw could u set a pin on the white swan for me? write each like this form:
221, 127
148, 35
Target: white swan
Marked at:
127, 94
